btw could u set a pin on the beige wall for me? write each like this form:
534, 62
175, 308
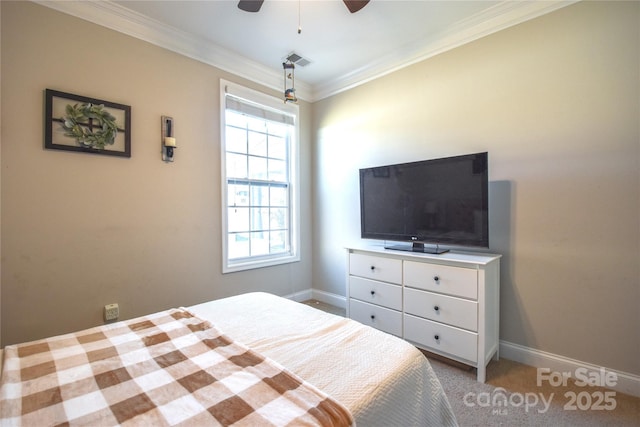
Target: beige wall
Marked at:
79, 230
555, 102
0, 182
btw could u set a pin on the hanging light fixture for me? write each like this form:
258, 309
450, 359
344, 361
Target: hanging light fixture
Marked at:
289, 88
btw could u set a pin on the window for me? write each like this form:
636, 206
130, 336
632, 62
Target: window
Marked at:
259, 179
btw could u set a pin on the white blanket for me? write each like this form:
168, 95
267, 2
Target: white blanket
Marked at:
381, 379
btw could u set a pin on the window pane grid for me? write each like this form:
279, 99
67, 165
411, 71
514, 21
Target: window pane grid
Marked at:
258, 193
260, 210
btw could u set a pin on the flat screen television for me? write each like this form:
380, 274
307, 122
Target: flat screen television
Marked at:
428, 203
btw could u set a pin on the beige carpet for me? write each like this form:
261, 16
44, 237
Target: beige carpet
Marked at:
326, 307
511, 396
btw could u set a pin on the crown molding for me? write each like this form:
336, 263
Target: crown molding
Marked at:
113, 16
503, 15
118, 18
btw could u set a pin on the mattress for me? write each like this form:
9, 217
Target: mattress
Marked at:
381, 379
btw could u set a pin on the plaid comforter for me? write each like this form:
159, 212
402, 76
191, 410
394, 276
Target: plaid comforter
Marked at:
169, 368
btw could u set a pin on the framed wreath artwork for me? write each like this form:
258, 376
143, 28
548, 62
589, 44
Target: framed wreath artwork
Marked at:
87, 125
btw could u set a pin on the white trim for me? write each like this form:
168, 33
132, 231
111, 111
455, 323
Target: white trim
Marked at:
119, 18
627, 383
329, 298
227, 87
300, 295
257, 97
499, 17
322, 296
116, 17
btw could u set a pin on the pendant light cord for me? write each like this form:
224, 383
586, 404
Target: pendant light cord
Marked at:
299, 22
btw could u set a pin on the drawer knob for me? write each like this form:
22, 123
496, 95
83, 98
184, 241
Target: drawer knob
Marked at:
436, 308
436, 279
373, 317
373, 293
436, 337
373, 267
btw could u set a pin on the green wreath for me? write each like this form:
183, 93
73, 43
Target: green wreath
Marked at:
91, 125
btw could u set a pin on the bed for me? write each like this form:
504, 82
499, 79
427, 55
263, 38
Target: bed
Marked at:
332, 371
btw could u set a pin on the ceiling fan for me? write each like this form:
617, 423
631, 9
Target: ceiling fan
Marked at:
255, 5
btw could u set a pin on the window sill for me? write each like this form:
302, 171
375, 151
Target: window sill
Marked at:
253, 264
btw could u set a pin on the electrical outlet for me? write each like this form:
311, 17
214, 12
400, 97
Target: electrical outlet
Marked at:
111, 312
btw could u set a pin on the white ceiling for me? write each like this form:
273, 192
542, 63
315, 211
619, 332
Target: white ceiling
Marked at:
344, 49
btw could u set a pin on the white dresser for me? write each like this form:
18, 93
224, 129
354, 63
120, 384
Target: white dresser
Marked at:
447, 304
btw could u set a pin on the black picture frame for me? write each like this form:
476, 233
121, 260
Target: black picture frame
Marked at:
55, 138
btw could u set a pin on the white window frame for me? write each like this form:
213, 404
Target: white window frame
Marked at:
272, 103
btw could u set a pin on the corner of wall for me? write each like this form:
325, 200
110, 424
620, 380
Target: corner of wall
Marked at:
0, 181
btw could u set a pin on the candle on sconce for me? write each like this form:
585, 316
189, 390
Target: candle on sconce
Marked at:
168, 140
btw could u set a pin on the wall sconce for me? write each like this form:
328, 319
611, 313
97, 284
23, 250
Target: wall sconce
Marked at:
289, 93
168, 140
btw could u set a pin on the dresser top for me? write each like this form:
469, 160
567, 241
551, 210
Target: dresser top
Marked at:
476, 258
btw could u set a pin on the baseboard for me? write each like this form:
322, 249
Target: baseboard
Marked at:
626, 383
300, 295
329, 298
322, 296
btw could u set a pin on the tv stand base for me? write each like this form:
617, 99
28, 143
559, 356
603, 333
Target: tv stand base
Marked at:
418, 247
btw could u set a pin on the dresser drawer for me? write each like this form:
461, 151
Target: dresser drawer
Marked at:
457, 281
453, 311
374, 292
377, 268
381, 318
441, 338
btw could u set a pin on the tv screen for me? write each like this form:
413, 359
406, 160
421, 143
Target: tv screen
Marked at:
440, 201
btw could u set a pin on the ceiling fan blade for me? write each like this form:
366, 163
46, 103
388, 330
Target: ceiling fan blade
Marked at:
355, 5
250, 5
